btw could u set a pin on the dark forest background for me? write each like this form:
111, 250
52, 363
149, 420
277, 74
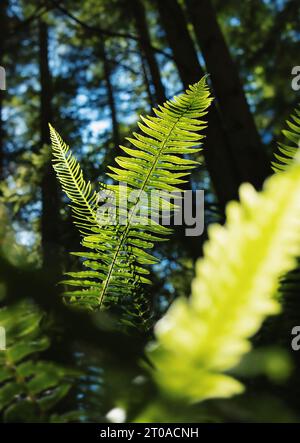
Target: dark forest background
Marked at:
91, 68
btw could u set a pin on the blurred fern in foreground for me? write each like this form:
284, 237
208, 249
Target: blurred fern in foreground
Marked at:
201, 339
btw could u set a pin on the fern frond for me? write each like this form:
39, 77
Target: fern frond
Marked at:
288, 291
29, 387
202, 338
80, 192
287, 152
120, 253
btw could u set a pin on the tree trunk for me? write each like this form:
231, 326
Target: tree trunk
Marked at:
144, 67
250, 159
139, 15
217, 153
50, 199
110, 95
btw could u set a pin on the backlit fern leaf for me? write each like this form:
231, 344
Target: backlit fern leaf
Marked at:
202, 338
119, 253
70, 175
290, 150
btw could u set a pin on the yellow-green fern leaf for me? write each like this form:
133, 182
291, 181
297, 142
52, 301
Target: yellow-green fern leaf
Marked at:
200, 339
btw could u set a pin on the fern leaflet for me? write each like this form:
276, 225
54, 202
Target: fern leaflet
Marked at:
290, 150
70, 175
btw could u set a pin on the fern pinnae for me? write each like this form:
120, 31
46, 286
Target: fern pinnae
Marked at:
289, 287
70, 175
289, 149
154, 163
160, 130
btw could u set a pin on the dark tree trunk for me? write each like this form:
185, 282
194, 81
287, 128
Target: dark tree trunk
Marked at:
50, 198
110, 94
180, 41
139, 15
250, 159
217, 153
147, 82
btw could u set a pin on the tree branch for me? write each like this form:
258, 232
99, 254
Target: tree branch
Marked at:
101, 31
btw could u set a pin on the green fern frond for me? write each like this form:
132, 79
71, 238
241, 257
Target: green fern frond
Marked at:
202, 338
29, 387
288, 291
120, 254
70, 175
288, 152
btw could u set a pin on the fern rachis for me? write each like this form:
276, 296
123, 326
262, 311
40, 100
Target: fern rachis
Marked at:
143, 187
152, 164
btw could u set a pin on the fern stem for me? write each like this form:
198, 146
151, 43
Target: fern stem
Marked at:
125, 233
